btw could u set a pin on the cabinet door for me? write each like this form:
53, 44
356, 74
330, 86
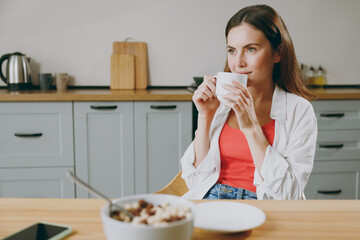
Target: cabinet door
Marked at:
162, 133
104, 143
334, 180
337, 114
36, 183
34, 134
338, 145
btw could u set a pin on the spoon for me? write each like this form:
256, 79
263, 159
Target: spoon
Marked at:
97, 193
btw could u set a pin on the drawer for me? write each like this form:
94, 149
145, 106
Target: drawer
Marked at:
338, 145
334, 180
36, 134
36, 183
344, 114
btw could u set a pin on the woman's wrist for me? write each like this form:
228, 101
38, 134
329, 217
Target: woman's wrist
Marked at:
253, 129
201, 141
254, 132
203, 124
202, 117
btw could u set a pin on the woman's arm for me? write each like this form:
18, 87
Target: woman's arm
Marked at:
202, 141
241, 102
258, 144
287, 167
206, 104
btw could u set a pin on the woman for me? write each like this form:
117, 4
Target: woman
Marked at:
260, 143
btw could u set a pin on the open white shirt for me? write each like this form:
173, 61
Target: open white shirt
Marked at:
287, 164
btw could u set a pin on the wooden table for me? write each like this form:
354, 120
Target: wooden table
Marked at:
310, 219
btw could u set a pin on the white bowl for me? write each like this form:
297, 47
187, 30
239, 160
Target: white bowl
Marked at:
178, 230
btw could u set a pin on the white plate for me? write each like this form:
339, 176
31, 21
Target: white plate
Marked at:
227, 217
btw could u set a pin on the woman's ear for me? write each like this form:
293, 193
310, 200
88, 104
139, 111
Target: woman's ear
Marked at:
277, 56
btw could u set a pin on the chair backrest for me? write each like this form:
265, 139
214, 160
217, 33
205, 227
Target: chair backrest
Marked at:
177, 186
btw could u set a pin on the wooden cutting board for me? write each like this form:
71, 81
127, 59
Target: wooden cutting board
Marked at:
139, 50
122, 71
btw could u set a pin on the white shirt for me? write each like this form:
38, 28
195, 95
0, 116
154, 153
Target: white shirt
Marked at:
287, 164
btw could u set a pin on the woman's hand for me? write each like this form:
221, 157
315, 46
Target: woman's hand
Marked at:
204, 97
240, 101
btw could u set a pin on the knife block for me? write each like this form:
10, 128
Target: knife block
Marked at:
122, 71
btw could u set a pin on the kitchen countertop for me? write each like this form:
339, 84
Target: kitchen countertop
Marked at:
336, 93
161, 94
292, 219
96, 95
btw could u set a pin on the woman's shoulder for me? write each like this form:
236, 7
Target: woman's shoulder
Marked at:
299, 108
296, 100
289, 101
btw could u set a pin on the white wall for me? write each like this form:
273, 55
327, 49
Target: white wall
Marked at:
185, 38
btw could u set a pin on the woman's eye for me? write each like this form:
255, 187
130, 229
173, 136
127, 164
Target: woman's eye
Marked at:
251, 50
231, 51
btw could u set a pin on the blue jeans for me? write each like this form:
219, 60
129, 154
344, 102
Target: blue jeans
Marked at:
222, 191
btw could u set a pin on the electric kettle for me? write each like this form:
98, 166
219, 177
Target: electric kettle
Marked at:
18, 72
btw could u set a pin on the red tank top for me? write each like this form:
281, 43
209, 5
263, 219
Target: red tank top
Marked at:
237, 167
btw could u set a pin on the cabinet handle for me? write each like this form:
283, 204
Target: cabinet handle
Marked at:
329, 191
111, 107
28, 134
332, 115
332, 145
162, 107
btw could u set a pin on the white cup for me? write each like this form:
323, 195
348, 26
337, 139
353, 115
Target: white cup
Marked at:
61, 81
226, 78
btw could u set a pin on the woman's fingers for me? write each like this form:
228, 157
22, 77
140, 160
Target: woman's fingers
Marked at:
244, 89
236, 94
210, 82
204, 93
207, 89
200, 95
237, 104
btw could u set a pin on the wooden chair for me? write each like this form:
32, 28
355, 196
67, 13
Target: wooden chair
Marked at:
177, 186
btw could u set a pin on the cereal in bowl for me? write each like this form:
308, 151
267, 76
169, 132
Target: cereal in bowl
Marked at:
148, 214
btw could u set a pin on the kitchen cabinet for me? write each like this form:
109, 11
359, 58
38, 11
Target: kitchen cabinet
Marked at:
36, 149
337, 157
104, 147
120, 148
123, 148
334, 180
163, 131
47, 182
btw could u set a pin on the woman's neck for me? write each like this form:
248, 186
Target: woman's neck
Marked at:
262, 93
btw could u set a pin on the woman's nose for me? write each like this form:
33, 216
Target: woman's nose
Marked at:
241, 60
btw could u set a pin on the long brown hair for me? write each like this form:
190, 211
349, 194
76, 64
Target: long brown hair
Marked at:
286, 73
